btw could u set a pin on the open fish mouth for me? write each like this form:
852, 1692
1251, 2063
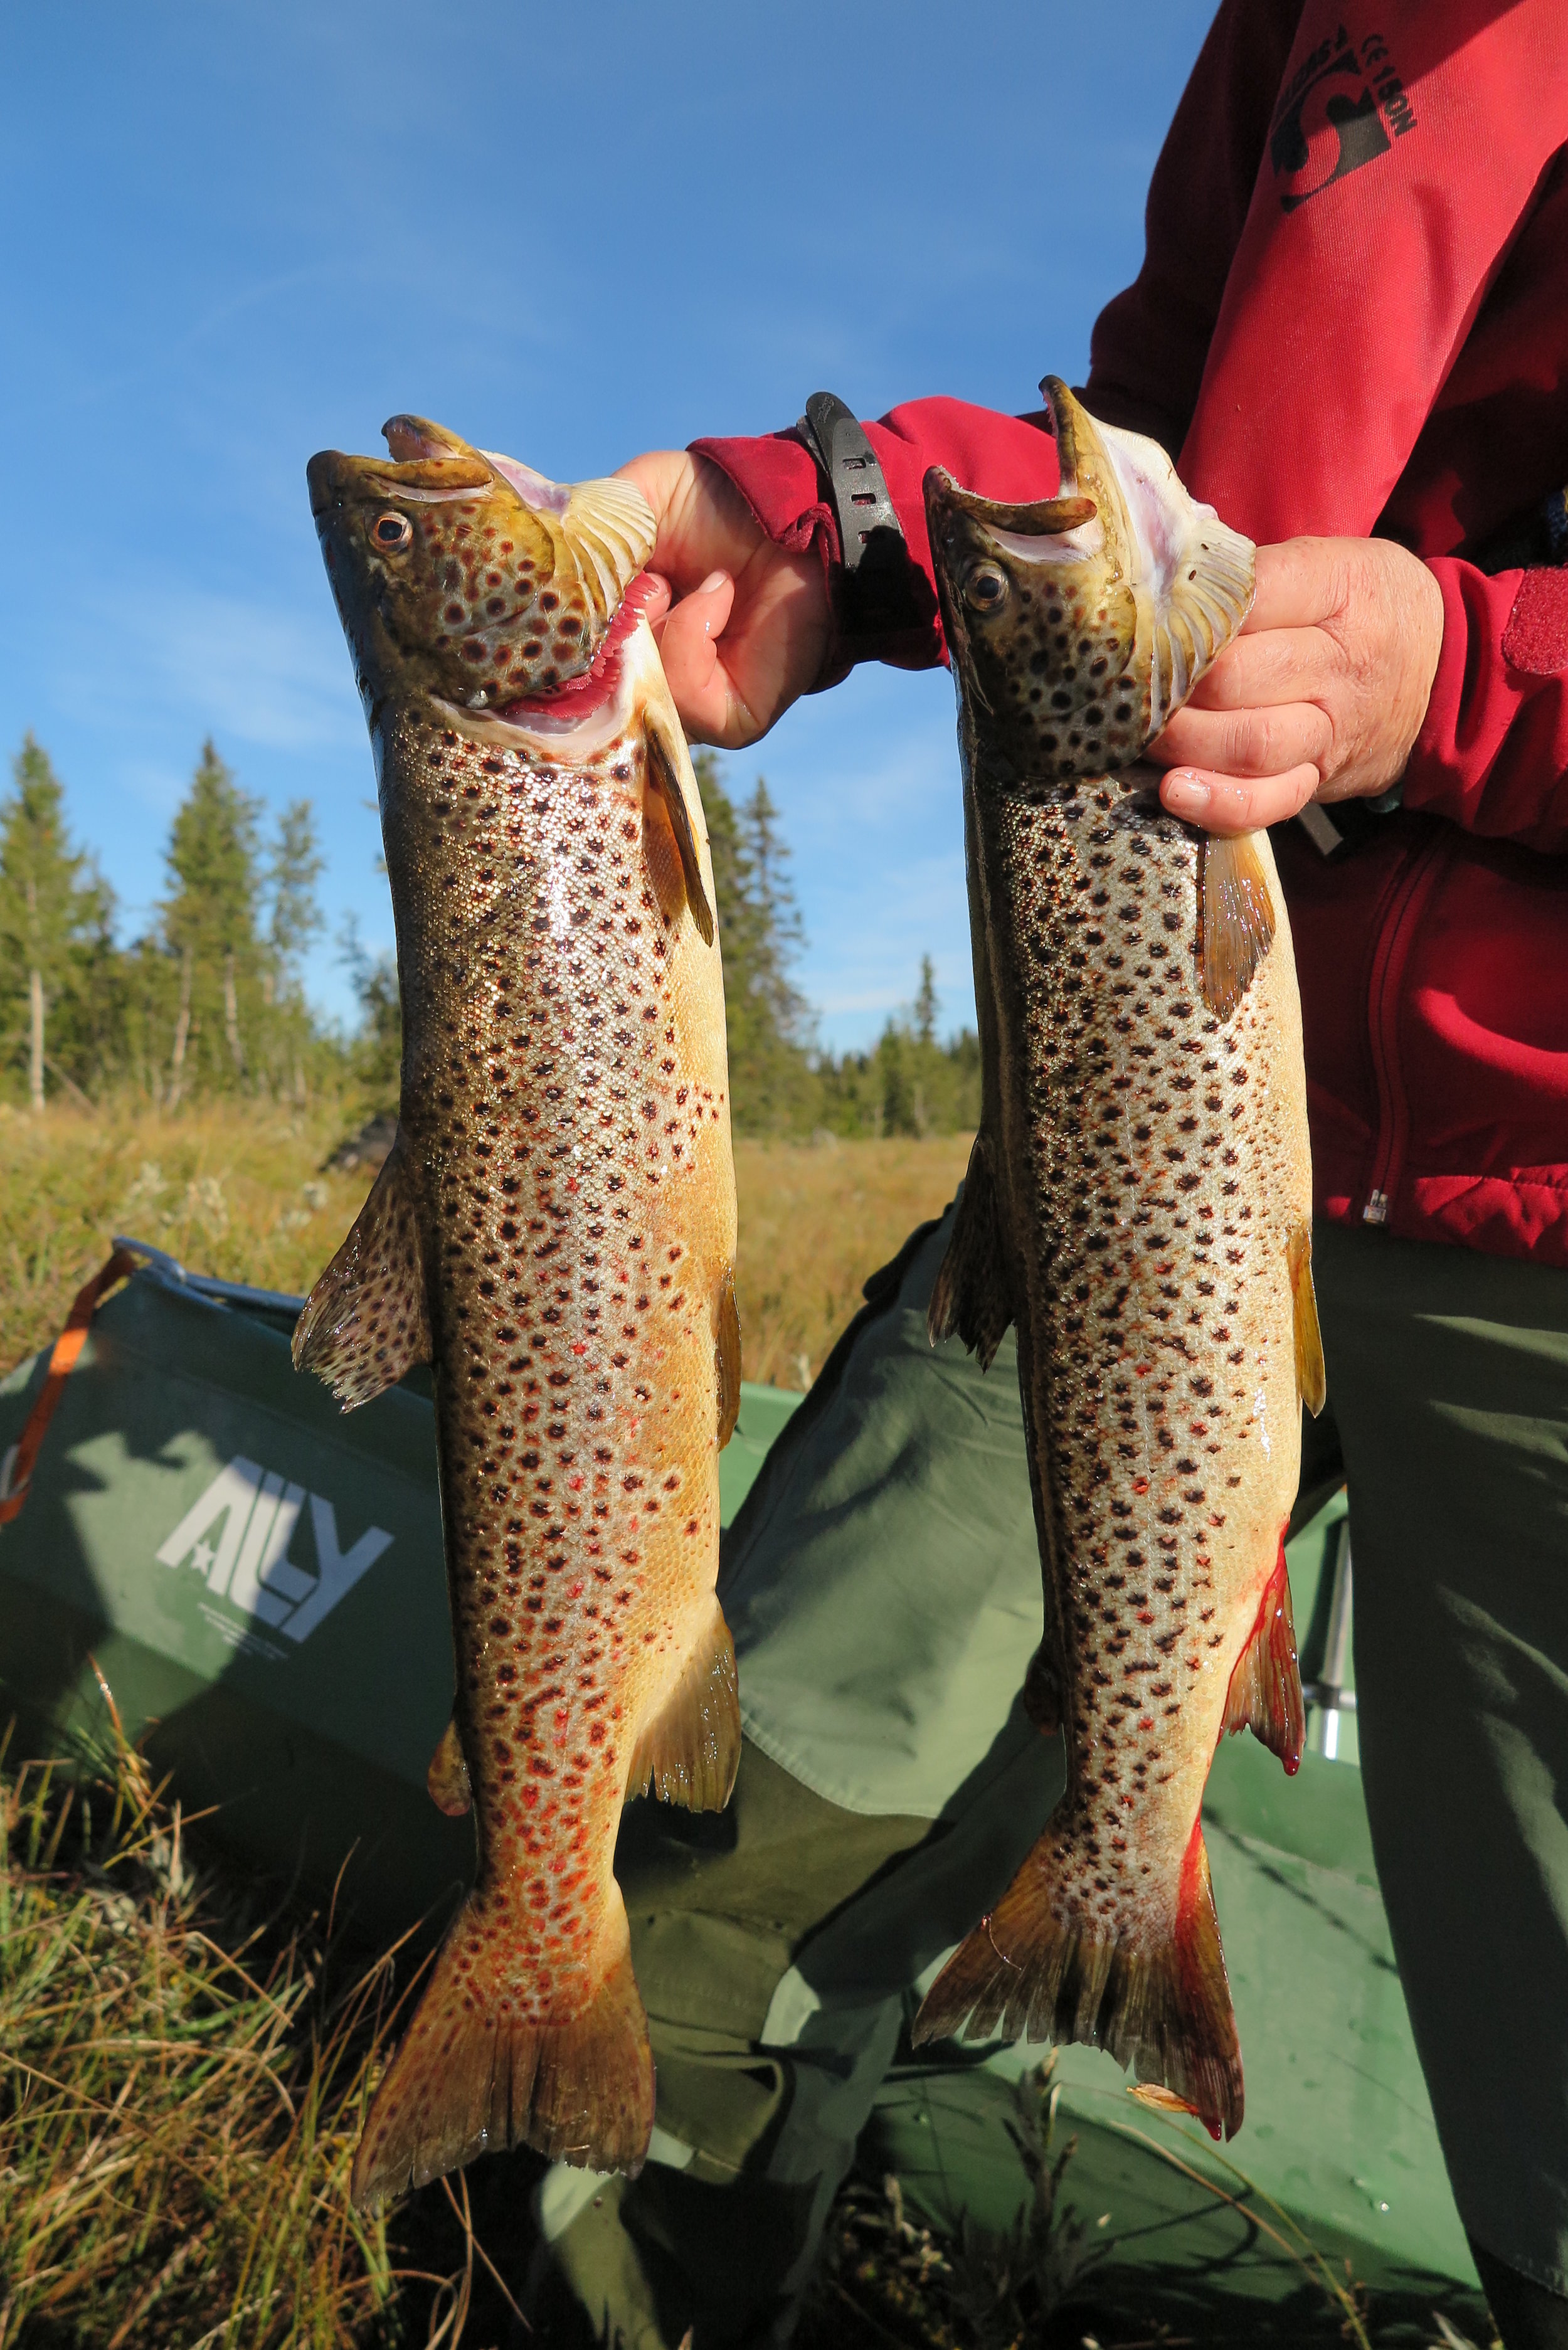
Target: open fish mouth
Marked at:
1190, 574
472, 576
1079, 623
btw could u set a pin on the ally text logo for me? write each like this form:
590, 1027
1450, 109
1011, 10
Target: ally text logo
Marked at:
238, 1537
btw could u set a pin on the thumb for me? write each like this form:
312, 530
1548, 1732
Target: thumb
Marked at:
687, 644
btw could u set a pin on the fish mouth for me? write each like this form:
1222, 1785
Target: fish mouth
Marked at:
567, 558
1191, 573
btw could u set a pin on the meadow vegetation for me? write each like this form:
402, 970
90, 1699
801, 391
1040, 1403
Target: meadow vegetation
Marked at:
245, 1190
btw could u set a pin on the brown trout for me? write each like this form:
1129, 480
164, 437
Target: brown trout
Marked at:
555, 1231
1138, 1202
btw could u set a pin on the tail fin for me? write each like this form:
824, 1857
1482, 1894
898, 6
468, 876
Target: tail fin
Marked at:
470, 2078
1026, 1971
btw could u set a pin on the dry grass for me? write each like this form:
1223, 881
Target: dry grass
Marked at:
237, 1189
180, 2097
815, 1219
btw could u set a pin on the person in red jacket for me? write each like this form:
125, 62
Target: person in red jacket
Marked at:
1351, 329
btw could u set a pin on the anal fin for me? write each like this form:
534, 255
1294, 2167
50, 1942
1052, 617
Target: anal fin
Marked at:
367, 1320
727, 1358
1238, 919
972, 1295
689, 1751
447, 1777
1312, 1378
1265, 1693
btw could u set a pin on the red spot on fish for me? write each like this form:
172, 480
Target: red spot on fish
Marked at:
578, 1347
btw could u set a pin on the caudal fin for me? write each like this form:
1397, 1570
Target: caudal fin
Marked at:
1026, 1973
469, 2078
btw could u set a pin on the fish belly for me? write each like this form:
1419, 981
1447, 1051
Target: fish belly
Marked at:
566, 1159
1148, 1184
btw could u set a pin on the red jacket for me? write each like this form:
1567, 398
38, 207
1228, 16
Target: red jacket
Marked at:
1353, 317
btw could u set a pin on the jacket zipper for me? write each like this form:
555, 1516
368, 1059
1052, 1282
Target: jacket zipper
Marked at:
1385, 1000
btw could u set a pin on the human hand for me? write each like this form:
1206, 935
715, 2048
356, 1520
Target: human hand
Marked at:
1320, 696
749, 626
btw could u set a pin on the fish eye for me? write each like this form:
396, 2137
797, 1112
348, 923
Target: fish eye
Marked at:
392, 530
985, 589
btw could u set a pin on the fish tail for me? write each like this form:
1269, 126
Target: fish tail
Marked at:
1034, 1970
472, 2076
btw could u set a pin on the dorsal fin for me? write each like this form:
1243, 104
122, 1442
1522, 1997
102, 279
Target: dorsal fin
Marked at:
727, 1358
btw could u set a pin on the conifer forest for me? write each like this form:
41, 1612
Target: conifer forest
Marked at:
208, 1002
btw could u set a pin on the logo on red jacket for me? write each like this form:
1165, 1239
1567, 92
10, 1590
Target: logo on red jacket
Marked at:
1343, 107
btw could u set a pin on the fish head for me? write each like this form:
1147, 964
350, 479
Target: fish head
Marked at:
466, 575
1078, 624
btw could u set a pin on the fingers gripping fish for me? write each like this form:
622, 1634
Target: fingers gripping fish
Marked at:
555, 1231
1138, 1202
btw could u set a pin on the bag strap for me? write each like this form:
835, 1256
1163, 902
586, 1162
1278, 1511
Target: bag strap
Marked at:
16, 1468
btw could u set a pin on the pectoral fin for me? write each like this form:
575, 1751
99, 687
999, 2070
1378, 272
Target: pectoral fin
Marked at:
972, 1295
367, 1320
664, 764
1238, 919
1312, 1378
689, 1751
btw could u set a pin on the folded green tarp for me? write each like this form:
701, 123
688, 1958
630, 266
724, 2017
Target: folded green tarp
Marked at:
259, 1575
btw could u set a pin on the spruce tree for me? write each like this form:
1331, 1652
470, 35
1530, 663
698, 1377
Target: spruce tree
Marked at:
55, 912
209, 922
772, 1080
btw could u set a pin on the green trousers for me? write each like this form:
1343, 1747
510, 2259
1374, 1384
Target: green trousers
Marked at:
883, 1585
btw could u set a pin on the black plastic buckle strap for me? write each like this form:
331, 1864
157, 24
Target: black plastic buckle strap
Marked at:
874, 580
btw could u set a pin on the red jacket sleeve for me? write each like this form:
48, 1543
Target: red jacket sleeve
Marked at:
1008, 457
1492, 752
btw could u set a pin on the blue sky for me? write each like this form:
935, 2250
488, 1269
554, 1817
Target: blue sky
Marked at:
237, 233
